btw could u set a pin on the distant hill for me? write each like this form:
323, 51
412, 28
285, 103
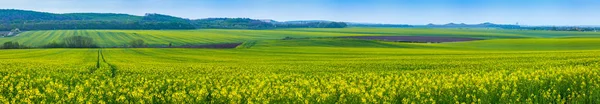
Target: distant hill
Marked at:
311, 24
32, 20
564, 28
378, 25
232, 23
482, 25
449, 25
306, 21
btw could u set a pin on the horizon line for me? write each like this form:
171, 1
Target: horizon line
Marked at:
516, 23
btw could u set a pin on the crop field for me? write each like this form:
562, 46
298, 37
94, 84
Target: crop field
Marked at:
507, 66
112, 38
116, 38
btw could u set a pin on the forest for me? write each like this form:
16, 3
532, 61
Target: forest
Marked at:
32, 20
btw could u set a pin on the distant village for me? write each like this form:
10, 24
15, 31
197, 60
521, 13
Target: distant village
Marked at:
11, 33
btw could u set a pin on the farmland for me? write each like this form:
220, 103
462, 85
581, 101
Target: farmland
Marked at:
508, 66
115, 38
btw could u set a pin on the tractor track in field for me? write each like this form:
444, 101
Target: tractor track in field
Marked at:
101, 59
93, 70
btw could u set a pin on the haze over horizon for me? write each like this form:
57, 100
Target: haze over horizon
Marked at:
414, 12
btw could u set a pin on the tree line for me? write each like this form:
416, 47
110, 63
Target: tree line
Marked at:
32, 20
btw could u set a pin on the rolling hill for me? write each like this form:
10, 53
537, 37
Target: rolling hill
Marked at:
32, 20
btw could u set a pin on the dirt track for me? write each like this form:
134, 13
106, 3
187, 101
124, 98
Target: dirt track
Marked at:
421, 39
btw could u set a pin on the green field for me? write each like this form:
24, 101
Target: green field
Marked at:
115, 38
510, 66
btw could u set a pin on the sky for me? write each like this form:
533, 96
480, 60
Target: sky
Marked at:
414, 12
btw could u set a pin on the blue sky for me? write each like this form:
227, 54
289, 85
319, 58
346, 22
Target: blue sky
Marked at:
526, 12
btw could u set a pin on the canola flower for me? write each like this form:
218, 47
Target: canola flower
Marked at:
227, 76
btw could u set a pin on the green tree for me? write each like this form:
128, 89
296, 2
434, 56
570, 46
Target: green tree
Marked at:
137, 43
11, 45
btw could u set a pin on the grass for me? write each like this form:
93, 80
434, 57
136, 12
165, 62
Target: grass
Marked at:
532, 68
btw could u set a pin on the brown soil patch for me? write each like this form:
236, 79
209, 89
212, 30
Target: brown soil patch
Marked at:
420, 39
